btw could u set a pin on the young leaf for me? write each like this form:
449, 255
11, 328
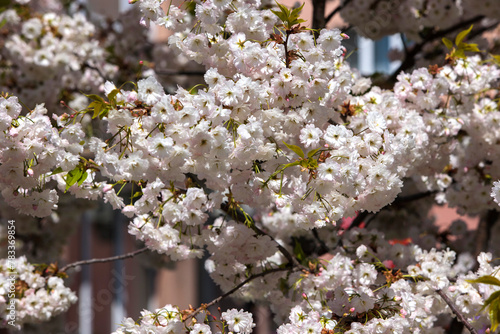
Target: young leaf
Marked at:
112, 97
471, 47
73, 176
95, 97
97, 108
57, 171
487, 279
313, 152
82, 178
296, 149
462, 35
448, 43
494, 312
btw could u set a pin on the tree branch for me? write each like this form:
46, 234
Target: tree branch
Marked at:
240, 216
413, 197
456, 311
106, 259
318, 19
358, 220
233, 290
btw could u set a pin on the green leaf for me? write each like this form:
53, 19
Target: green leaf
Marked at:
494, 311
462, 35
313, 152
487, 279
491, 299
104, 113
296, 149
280, 15
2, 23
448, 43
57, 171
295, 163
459, 53
294, 16
496, 58
470, 47
284, 9
82, 178
137, 194
112, 96
73, 176
95, 97
97, 108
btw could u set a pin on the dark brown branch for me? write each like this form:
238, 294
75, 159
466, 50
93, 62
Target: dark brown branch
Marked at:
456, 311
106, 259
318, 19
358, 220
413, 197
233, 290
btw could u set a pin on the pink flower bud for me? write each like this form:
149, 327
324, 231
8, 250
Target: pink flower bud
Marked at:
352, 309
107, 188
30, 172
304, 296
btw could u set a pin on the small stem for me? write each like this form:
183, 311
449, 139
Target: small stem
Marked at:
456, 311
287, 59
106, 259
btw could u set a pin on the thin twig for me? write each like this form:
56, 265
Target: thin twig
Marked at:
239, 216
292, 260
456, 311
106, 259
233, 290
413, 197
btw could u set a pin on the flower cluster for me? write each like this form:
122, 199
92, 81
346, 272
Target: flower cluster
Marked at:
32, 153
37, 297
168, 319
349, 287
457, 109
